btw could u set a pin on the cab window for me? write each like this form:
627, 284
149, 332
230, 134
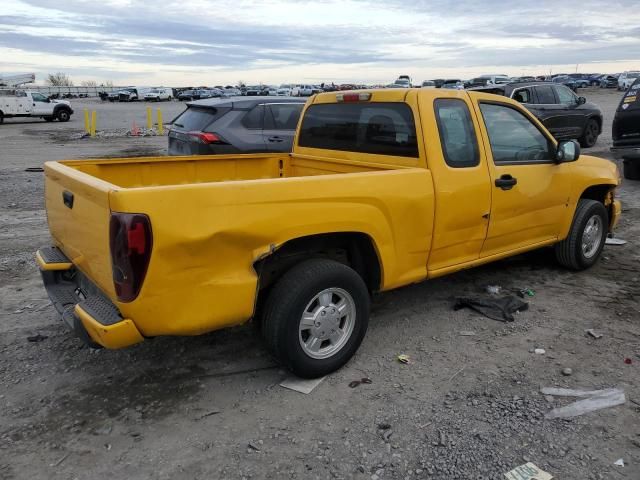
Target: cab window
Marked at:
377, 128
38, 97
523, 95
457, 134
565, 95
545, 95
513, 137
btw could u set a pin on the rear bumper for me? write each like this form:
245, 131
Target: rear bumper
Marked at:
82, 306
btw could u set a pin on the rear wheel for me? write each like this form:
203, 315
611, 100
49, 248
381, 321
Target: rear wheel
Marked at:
631, 168
316, 317
63, 115
583, 245
590, 134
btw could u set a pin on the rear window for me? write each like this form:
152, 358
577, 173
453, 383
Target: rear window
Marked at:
378, 128
194, 118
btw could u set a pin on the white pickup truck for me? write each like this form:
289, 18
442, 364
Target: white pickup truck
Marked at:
24, 103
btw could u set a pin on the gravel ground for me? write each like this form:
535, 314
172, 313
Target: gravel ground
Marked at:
465, 407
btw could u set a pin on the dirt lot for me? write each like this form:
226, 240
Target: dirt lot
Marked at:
466, 407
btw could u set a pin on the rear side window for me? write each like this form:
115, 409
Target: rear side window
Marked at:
545, 95
254, 118
194, 118
457, 135
378, 128
282, 116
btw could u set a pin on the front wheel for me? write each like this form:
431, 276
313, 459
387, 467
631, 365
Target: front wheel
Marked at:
316, 317
590, 135
63, 116
582, 247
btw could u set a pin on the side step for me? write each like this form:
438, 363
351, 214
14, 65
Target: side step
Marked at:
52, 259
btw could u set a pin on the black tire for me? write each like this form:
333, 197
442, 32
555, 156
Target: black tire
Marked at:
49, 119
631, 168
1, 118
63, 115
590, 134
291, 297
569, 252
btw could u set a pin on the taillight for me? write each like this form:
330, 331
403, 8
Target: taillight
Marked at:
205, 137
130, 241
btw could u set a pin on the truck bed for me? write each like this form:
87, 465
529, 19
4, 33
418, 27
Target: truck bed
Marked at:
166, 171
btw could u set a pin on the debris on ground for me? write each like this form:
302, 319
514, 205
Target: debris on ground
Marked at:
493, 289
402, 358
364, 380
539, 351
593, 333
597, 401
619, 463
567, 372
614, 241
501, 309
37, 338
528, 471
207, 414
301, 385
467, 333
526, 292
628, 361
252, 446
34, 169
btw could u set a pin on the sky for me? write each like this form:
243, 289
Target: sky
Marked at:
213, 42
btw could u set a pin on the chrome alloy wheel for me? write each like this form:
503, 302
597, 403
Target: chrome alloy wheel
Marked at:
327, 323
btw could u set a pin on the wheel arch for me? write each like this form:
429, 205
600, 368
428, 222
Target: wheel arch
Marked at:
354, 249
602, 193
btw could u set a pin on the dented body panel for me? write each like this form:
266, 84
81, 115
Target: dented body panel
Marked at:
214, 217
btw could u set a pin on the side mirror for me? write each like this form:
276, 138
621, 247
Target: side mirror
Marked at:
582, 100
567, 151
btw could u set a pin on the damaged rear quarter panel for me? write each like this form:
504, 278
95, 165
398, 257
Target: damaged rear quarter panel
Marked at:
206, 238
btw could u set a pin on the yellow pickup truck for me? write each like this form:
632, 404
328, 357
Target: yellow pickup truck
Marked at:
383, 188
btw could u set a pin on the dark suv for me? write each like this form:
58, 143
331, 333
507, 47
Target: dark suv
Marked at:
565, 114
236, 125
626, 132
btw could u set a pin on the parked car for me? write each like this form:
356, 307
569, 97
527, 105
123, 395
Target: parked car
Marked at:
594, 79
299, 241
239, 125
284, 90
230, 91
562, 112
609, 81
439, 82
17, 103
303, 90
565, 80
197, 94
159, 94
113, 96
626, 79
626, 132
254, 91
476, 82
428, 84
401, 83
581, 80
495, 79
453, 84
523, 79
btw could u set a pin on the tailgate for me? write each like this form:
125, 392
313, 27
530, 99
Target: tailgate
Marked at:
78, 214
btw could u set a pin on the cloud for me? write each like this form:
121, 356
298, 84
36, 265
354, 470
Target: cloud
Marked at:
259, 38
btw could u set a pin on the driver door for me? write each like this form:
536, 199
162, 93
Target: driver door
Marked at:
530, 192
41, 105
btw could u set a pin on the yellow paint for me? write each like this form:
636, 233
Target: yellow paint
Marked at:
93, 123
51, 266
87, 127
149, 118
212, 217
160, 123
118, 335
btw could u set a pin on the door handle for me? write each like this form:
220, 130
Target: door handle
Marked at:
67, 198
506, 182
275, 139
